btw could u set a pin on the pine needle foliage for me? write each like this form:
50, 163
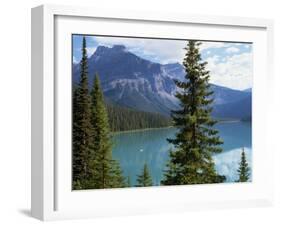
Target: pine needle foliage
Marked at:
144, 179
92, 163
244, 169
82, 128
191, 162
106, 172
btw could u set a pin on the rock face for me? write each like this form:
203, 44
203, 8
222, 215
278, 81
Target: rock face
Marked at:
133, 82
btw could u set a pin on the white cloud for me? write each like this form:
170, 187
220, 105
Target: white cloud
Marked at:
212, 61
227, 163
232, 49
91, 51
75, 61
214, 45
149, 48
232, 71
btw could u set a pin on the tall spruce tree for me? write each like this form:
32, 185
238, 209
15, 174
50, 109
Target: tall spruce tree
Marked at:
144, 179
244, 169
106, 172
191, 162
81, 126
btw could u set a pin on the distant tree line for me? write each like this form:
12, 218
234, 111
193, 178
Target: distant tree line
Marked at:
122, 119
247, 119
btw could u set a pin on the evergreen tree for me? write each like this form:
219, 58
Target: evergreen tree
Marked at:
174, 173
191, 162
117, 179
244, 169
106, 172
81, 126
144, 179
129, 184
122, 119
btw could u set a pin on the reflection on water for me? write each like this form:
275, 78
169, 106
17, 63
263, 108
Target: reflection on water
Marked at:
133, 149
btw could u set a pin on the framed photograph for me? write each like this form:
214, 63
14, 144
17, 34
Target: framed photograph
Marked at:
136, 113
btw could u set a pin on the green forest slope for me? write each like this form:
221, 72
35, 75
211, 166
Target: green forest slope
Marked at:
123, 119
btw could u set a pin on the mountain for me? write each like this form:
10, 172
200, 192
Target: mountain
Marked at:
132, 82
241, 109
249, 90
174, 71
223, 95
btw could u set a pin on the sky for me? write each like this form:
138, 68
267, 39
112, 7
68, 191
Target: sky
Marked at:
230, 64
227, 162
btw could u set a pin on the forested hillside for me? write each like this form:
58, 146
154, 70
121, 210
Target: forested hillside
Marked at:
122, 119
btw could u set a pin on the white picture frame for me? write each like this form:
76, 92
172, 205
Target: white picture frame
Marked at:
52, 197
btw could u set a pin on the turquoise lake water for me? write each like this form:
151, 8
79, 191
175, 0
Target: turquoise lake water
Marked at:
133, 149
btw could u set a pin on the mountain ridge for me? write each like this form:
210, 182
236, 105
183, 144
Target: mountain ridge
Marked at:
133, 82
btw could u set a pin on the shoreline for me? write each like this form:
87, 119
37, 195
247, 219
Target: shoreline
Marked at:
229, 121
166, 127
139, 130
